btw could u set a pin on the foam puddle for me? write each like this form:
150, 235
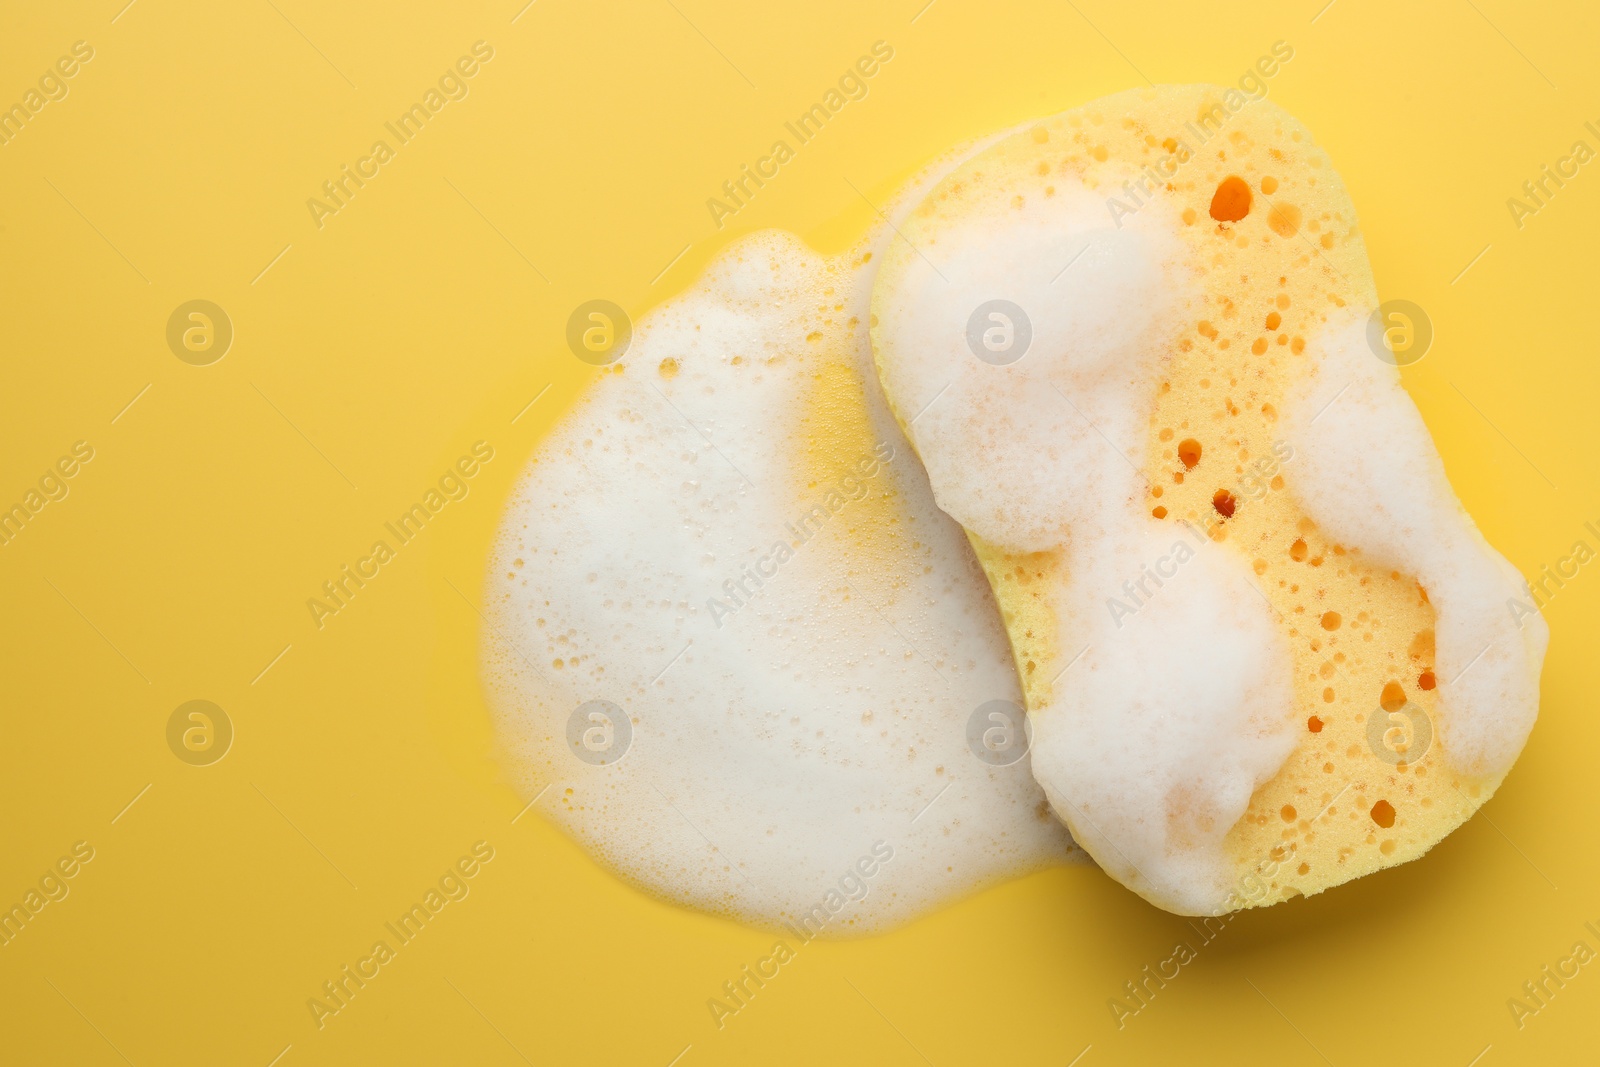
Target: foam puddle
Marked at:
730, 542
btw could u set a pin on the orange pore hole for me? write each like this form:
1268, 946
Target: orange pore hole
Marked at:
1383, 814
1231, 202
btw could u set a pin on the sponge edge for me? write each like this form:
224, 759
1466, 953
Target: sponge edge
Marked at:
1243, 688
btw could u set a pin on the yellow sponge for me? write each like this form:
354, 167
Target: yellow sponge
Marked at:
1257, 230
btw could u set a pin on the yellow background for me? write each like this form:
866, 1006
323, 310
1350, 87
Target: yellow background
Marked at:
419, 319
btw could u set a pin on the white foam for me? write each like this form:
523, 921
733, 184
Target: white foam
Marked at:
800, 702
774, 746
1172, 717
1369, 475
